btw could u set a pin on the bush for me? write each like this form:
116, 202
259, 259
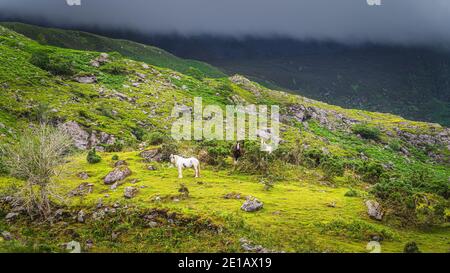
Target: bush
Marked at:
139, 133
313, 157
411, 247
114, 68
35, 158
351, 193
115, 157
332, 167
166, 150
156, 138
55, 65
366, 131
114, 148
216, 152
370, 171
93, 157
195, 73
255, 161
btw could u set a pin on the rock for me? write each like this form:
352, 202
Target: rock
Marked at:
232, 195
331, 204
82, 189
152, 224
11, 215
120, 163
151, 168
151, 155
130, 192
252, 205
114, 186
89, 243
374, 210
86, 79
7, 236
117, 174
81, 217
83, 175
79, 136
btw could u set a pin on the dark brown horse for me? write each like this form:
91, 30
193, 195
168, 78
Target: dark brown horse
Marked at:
238, 151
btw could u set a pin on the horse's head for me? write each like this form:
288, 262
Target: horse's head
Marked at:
172, 159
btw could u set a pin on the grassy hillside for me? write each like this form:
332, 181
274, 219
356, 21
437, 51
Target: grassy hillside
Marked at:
91, 42
314, 187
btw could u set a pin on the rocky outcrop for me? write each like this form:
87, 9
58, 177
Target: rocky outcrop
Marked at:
246, 84
374, 210
84, 140
151, 155
117, 174
79, 136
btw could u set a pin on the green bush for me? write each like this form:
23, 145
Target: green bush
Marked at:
217, 152
156, 138
54, 64
93, 157
115, 157
332, 167
255, 161
139, 133
114, 68
195, 73
411, 247
366, 131
370, 171
351, 193
114, 148
166, 150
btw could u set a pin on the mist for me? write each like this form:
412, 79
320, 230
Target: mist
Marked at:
411, 22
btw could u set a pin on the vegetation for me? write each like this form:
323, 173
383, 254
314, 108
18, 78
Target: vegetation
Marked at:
304, 184
93, 157
35, 158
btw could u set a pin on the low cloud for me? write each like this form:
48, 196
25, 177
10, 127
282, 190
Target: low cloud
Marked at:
350, 21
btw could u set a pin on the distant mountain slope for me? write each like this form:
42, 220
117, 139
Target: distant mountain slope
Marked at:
413, 82
136, 51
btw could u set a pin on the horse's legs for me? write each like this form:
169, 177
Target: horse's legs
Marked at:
180, 172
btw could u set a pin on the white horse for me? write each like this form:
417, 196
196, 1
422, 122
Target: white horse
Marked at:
182, 163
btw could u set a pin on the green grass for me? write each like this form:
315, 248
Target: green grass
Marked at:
91, 42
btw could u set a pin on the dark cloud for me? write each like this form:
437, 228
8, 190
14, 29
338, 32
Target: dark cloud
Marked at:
399, 21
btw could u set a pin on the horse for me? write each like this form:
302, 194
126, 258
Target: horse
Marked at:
181, 163
237, 152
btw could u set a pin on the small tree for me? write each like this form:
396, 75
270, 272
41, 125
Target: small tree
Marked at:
35, 158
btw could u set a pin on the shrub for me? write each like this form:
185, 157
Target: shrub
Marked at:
366, 131
156, 138
216, 152
93, 157
114, 68
113, 148
351, 193
254, 160
139, 133
115, 157
53, 64
313, 157
411, 247
166, 150
332, 167
370, 171
35, 158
